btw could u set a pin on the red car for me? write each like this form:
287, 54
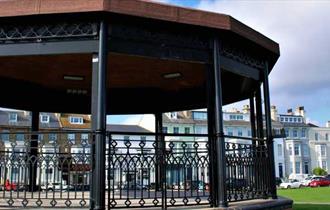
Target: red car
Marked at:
319, 182
10, 186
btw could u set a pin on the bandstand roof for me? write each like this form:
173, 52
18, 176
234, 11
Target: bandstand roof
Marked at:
43, 42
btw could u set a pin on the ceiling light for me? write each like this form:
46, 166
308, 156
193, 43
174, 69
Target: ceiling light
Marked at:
74, 78
172, 75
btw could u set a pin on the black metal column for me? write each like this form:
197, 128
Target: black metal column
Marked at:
221, 200
99, 120
260, 128
269, 132
211, 135
253, 118
158, 150
33, 166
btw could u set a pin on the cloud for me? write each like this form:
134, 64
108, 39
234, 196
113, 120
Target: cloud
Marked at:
302, 74
132, 120
162, 1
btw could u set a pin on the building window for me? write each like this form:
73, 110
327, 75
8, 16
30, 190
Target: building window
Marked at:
15, 171
173, 115
126, 138
306, 168
12, 117
71, 137
76, 120
175, 129
282, 119
324, 165
235, 117
296, 149
230, 132
186, 130
305, 150
291, 167
249, 132
297, 167
299, 120
316, 136
19, 136
294, 119
52, 137
279, 149
239, 132
84, 136
164, 129
323, 152
303, 133
280, 170
44, 119
143, 138
295, 133
287, 132
290, 119
199, 115
201, 130
290, 149
327, 137
49, 170
286, 119
5, 136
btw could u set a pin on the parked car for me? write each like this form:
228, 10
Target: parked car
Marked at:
55, 187
318, 182
299, 177
308, 180
327, 177
10, 186
291, 183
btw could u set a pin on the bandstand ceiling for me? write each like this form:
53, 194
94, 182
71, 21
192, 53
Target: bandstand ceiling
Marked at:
136, 83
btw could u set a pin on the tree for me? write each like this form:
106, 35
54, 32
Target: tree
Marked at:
319, 171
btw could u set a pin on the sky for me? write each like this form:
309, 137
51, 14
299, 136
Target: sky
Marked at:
301, 77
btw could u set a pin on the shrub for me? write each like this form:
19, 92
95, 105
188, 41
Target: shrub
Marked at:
319, 171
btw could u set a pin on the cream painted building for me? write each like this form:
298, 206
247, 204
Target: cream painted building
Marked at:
319, 144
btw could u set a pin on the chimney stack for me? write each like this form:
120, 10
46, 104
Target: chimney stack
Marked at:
246, 109
289, 112
327, 124
300, 110
273, 112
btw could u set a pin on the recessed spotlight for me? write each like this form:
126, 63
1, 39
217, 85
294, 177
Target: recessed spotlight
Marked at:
172, 75
73, 78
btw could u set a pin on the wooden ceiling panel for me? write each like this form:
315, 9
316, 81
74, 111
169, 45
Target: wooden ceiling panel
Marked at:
123, 71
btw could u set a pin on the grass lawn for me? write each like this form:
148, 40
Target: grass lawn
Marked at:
315, 196
307, 194
310, 207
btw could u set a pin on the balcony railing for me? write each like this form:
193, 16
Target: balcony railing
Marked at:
142, 169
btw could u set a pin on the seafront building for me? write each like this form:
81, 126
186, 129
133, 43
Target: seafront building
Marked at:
302, 148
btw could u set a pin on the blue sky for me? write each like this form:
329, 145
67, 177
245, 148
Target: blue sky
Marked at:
301, 75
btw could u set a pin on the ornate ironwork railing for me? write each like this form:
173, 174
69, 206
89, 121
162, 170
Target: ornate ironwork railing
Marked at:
247, 168
142, 169
55, 173
68, 30
180, 163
